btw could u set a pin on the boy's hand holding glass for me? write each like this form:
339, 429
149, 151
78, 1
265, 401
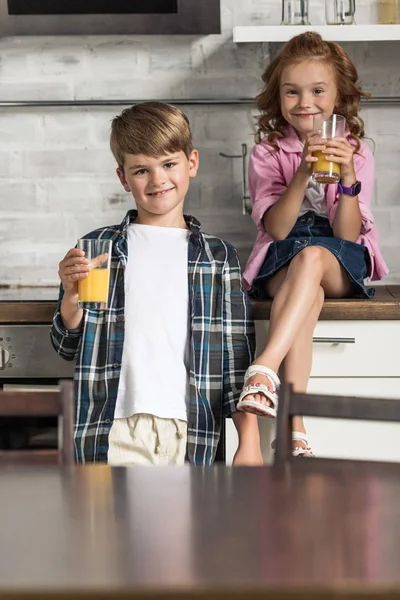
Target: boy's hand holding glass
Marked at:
93, 289
73, 267
85, 273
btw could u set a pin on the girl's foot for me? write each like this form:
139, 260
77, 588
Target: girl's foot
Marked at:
260, 392
300, 445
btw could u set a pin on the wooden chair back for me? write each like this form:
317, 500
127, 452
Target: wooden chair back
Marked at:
60, 404
293, 404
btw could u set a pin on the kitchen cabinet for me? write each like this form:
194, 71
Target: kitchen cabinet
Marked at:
350, 357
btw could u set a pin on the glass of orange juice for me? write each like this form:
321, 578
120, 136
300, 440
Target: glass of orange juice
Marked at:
93, 289
326, 171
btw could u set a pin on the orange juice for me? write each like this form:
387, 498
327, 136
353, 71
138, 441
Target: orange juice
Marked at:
94, 287
325, 171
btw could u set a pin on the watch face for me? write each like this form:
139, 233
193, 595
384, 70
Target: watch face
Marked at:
357, 188
354, 190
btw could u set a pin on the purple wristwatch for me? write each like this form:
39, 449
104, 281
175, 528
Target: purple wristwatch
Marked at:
354, 190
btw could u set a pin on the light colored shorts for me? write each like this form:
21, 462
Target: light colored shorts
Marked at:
144, 439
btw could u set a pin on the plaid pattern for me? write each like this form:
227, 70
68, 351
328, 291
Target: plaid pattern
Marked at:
222, 346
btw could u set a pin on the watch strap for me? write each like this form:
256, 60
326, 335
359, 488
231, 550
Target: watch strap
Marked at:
353, 190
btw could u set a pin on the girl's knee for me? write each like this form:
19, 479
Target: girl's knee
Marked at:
311, 258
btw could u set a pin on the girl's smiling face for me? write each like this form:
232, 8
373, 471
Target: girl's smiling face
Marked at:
307, 88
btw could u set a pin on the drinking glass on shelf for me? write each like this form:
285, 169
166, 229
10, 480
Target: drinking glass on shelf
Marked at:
93, 289
326, 171
295, 12
389, 12
340, 12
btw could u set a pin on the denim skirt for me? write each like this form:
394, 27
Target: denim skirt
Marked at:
314, 230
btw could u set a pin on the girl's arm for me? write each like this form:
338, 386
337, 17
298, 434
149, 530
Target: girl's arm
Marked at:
348, 218
280, 216
279, 220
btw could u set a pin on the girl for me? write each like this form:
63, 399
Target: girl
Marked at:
313, 240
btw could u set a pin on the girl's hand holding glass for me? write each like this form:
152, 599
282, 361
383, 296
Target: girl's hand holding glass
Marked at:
313, 143
340, 151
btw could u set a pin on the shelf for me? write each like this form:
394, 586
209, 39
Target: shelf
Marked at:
335, 33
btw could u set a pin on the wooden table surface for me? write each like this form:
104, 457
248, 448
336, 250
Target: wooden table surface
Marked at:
316, 529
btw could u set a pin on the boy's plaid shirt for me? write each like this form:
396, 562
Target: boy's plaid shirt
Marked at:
222, 344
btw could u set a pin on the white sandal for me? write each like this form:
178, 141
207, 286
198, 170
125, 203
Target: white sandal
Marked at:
269, 391
298, 436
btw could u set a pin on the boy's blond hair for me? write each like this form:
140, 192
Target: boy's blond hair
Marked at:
152, 129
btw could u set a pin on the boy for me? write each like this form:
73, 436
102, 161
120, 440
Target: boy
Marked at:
157, 372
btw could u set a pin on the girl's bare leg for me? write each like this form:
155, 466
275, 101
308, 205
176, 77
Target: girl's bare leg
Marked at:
296, 366
296, 292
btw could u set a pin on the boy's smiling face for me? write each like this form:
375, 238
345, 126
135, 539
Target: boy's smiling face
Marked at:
159, 185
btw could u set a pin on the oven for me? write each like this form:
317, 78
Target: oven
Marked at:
28, 361
27, 356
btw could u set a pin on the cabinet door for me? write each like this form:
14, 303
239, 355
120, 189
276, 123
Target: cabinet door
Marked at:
350, 348
231, 441
343, 438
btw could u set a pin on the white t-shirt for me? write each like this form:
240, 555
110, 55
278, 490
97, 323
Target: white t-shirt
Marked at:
314, 199
155, 361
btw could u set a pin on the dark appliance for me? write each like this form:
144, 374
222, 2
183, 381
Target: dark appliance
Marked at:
109, 17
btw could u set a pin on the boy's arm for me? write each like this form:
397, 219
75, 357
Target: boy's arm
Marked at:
239, 346
65, 341
67, 327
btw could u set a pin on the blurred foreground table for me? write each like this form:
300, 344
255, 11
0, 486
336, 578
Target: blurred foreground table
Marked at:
314, 530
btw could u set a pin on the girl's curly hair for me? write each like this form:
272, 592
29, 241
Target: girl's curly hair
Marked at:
309, 46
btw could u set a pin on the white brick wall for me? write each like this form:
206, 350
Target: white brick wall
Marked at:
57, 175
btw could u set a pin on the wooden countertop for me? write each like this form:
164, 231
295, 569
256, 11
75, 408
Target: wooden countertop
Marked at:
310, 531
32, 311
384, 306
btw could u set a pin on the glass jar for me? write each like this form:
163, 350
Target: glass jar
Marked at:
388, 12
295, 12
340, 12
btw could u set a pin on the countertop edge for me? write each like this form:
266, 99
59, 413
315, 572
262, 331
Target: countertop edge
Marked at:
389, 311
385, 306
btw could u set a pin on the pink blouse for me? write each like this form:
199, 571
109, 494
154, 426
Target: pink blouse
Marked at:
270, 173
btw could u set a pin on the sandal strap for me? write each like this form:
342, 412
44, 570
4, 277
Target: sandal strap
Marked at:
297, 436
259, 388
299, 451
300, 436
261, 370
